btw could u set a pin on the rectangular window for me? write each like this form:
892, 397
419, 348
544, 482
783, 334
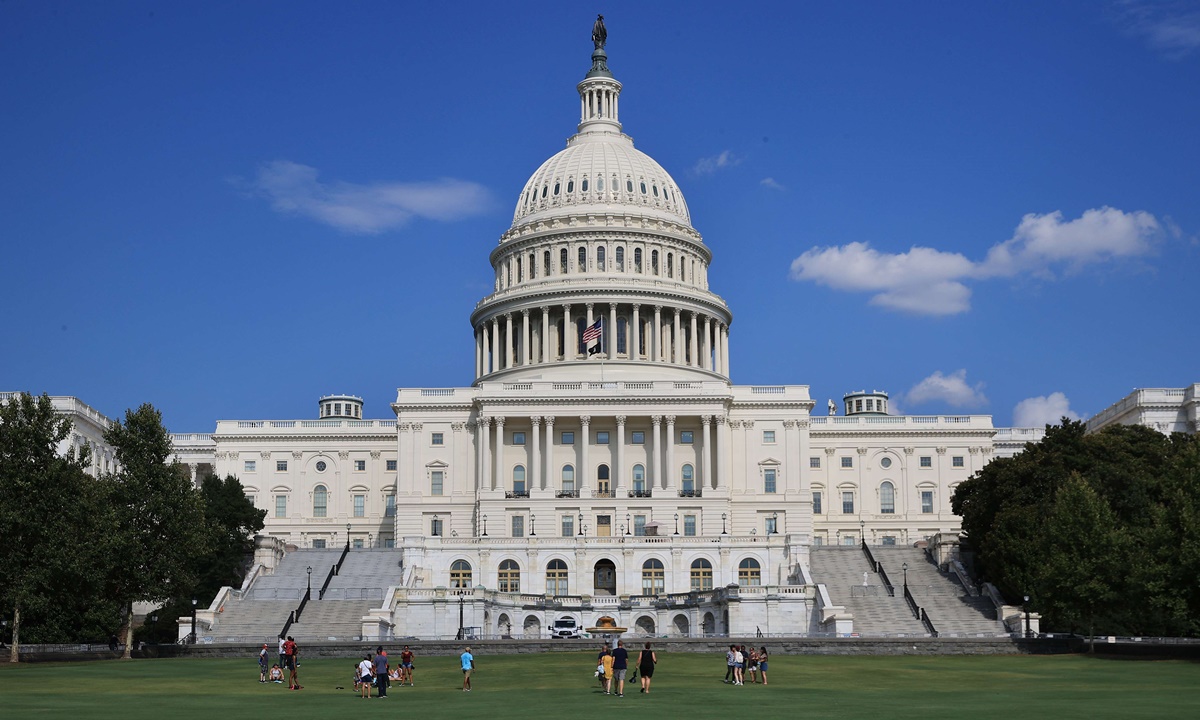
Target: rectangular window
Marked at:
685, 437
847, 503
849, 540
252, 499
319, 544
391, 465
927, 501
818, 541
360, 506
601, 438
689, 525
435, 482
281, 466
957, 461
817, 510
847, 462
769, 480
768, 437
639, 525
889, 540
360, 465
518, 438
358, 543
437, 439
926, 461
518, 526
281, 506
815, 463
568, 438
435, 527
771, 525
639, 438
389, 506
389, 542
249, 466
568, 526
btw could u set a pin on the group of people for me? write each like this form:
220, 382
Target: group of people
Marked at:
613, 663
376, 671
739, 661
288, 662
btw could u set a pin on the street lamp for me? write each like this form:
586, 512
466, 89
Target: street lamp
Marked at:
532, 525
460, 614
774, 523
627, 525
905, 568
723, 523
581, 524
1027, 633
484, 518
434, 529
309, 568
347, 535
192, 636
676, 523
862, 531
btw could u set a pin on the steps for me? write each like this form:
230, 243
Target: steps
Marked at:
951, 609
841, 569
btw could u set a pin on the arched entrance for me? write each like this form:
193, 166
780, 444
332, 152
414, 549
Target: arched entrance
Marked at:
605, 577
533, 627
504, 626
645, 626
681, 625
709, 624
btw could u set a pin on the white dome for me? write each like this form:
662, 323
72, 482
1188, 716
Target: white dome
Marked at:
584, 174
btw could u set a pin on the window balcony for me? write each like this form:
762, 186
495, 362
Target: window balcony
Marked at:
698, 492
640, 493
567, 494
516, 494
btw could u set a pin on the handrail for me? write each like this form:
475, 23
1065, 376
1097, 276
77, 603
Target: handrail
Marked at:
928, 623
912, 603
303, 601
288, 625
877, 568
328, 579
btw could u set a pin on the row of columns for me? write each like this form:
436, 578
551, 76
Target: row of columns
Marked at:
497, 346
598, 102
490, 466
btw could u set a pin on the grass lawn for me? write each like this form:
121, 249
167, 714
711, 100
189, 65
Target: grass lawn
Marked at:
561, 685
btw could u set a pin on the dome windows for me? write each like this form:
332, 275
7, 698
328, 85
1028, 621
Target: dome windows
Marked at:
670, 266
655, 190
599, 184
643, 187
628, 185
556, 187
601, 265
637, 260
620, 259
584, 185
582, 259
544, 189
570, 186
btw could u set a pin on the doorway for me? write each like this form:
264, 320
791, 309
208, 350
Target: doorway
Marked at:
606, 577
603, 525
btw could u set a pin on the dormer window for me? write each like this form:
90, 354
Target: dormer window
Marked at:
655, 190
570, 186
584, 185
628, 186
643, 188
599, 184
544, 189
556, 186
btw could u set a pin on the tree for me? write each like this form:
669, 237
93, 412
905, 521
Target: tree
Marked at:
158, 513
47, 503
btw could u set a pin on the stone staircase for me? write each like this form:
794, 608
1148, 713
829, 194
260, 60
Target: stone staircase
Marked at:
952, 610
841, 569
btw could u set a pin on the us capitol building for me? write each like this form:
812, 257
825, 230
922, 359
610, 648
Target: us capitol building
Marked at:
602, 461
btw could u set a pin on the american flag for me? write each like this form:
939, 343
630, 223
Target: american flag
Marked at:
593, 331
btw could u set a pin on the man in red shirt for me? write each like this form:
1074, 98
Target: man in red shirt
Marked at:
290, 653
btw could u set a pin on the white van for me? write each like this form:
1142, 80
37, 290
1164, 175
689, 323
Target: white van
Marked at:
565, 628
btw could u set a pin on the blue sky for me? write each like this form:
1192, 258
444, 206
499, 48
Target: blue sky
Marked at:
228, 209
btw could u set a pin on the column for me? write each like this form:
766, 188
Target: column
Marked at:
525, 354
725, 349
676, 350
706, 452
568, 334
508, 340
545, 334
485, 469
583, 473
495, 344
656, 351
669, 475
635, 334
610, 348
707, 351
722, 451
693, 355
618, 472
548, 451
535, 455
656, 452
498, 458
477, 353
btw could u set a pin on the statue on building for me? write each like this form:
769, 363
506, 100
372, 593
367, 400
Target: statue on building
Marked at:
832, 408
599, 34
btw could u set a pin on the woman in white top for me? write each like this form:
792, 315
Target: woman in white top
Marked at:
366, 673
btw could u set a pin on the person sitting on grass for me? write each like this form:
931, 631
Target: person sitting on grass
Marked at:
394, 674
365, 676
276, 674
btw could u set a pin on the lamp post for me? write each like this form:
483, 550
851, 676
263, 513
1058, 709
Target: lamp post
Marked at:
347, 536
723, 515
1027, 633
905, 568
192, 635
774, 523
627, 524
581, 524
676, 523
484, 518
434, 529
370, 540
532, 525
309, 569
862, 532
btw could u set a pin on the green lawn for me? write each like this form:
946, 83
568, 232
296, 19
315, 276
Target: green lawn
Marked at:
561, 685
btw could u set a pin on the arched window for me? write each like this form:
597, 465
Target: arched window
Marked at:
532, 266
887, 498
643, 184
655, 190
620, 259
519, 480
637, 260
653, 262
670, 265
581, 261
749, 572
556, 187
622, 327
599, 184
510, 577
544, 188
641, 339
562, 261
628, 185
652, 577
639, 479
570, 186
460, 574
546, 263
520, 270
568, 480
600, 260
702, 575
602, 485
584, 187
320, 501
689, 479
556, 578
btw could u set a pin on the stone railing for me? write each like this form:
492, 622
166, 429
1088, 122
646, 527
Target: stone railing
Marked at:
835, 423
299, 426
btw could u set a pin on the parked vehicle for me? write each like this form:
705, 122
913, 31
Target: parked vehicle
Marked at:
565, 628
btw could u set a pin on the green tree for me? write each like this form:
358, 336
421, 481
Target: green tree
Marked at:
158, 513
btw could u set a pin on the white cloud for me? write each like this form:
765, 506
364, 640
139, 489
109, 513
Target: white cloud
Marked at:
368, 209
771, 184
928, 281
951, 389
709, 165
1043, 410
1171, 28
